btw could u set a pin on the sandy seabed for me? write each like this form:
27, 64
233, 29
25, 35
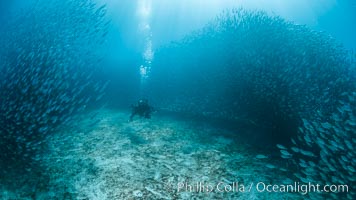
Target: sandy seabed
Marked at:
103, 156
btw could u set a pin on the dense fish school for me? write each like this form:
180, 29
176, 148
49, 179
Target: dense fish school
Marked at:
283, 77
47, 75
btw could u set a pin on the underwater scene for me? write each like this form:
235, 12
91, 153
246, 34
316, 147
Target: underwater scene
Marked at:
177, 99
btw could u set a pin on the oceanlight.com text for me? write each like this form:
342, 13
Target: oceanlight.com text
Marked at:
301, 188
296, 187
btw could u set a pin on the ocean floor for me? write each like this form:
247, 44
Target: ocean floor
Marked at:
103, 156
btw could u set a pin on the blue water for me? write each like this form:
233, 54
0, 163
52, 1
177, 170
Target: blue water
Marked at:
279, 83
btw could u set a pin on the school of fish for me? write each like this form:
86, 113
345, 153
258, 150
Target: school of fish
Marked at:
273, 72
47, 75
